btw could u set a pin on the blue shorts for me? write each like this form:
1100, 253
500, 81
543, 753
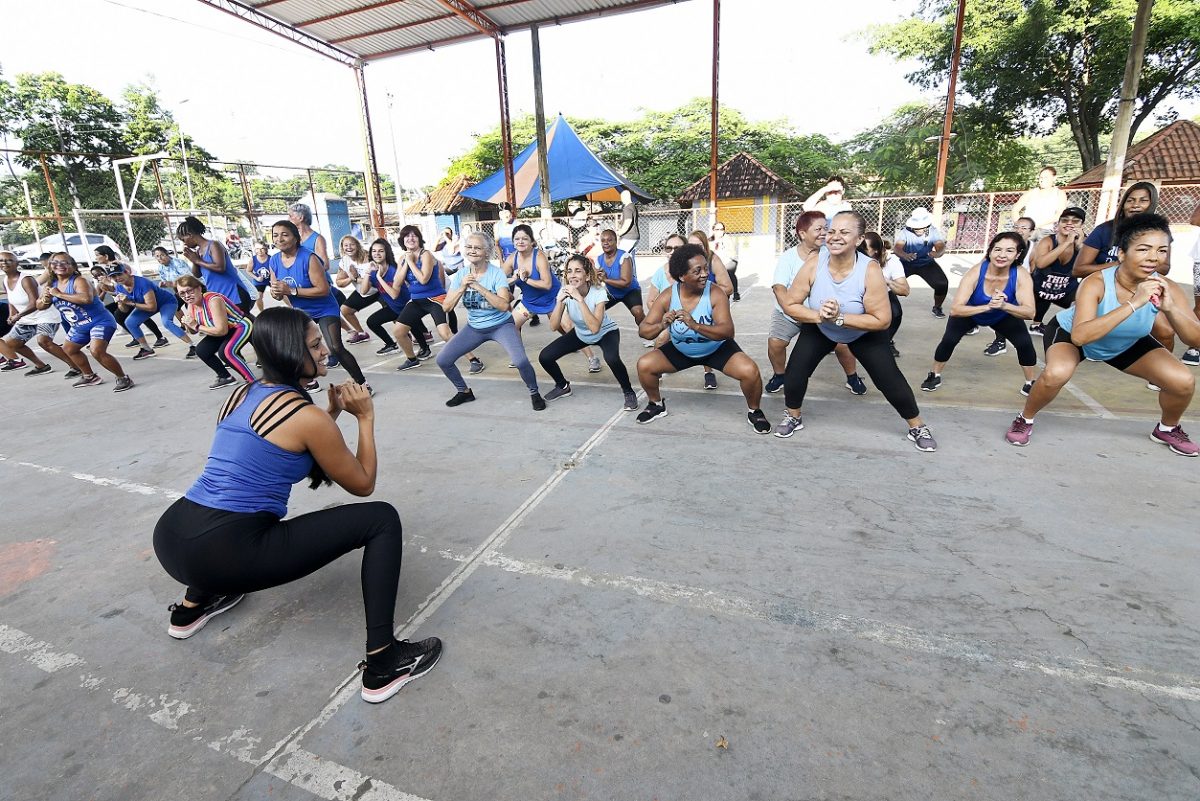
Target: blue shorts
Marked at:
101, 329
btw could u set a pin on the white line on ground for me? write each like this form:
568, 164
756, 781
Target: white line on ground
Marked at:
1084, 398
125, 486
892, 635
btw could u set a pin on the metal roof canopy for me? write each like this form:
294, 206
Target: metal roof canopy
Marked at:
355, 32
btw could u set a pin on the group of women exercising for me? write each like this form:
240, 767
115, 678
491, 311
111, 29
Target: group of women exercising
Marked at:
836, 291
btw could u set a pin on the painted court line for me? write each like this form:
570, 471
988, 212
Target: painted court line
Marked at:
125, 486
892, 635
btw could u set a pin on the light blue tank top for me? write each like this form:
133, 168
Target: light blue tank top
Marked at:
981, 298
297, 276
1128, 331
223, 283
613, 271
848, 293
686, 341
244, 472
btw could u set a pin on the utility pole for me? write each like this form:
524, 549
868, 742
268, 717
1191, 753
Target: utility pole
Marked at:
539, 113
1114, 170
939, 188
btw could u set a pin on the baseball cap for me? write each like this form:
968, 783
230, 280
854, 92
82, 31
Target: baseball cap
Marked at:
1073, 211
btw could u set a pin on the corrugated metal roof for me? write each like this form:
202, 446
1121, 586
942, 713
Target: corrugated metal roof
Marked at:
374, 29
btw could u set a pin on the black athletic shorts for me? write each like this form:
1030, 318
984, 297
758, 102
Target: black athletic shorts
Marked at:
716, 360
631, 299
359, 302
1056, 334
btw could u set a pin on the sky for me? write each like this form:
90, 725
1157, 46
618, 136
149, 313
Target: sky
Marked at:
246, 94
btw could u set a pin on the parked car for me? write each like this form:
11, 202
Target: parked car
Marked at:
28, 255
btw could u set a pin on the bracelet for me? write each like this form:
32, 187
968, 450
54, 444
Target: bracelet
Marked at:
1132, 308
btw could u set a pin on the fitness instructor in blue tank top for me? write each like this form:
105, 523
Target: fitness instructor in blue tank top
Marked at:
211, 264
997, 293
1118, 317
839, 295
226, 536
696, 313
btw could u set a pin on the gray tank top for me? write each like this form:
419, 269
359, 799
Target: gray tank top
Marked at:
848, 293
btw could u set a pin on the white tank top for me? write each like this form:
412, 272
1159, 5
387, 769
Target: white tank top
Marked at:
18, 300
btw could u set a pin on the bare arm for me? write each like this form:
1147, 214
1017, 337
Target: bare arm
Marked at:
652, 324
626, 278
877, 309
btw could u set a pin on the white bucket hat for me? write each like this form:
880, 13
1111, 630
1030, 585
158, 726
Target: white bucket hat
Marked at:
920, 218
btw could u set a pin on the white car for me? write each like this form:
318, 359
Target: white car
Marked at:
82, 253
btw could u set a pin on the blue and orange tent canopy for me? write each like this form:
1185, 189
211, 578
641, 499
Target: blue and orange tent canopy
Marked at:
575, 172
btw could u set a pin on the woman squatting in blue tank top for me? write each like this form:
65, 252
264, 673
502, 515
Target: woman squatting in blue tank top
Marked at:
997, 293
696, 313
425, 280
91, 324
839, 295
226, 537
210, 263
300, 277
1118, 316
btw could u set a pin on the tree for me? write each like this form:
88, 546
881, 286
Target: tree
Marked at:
894, 156
1039, 64
665, 151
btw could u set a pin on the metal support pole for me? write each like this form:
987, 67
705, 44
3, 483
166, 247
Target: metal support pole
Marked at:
505, 124
939, 189
1114, 170
879, 225
987, 225
54, 201
250, 215
312, 191
37, 237
716, 63
374, 196
128, 220
162, 204
187, 172
539, 113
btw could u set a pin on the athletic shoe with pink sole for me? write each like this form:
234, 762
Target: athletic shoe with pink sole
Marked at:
1176, 440
187, 620
1018, 432
398, 664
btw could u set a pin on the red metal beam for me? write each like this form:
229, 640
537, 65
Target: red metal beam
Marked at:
713, 135
505, 125
473, 16
252, 15
399, 51
347, 13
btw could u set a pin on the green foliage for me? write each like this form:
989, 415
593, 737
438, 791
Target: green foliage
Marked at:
666, 151
1041, 64
894, 158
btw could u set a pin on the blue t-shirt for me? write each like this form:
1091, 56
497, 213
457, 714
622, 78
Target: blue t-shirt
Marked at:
297, 276
594, 296
143, 285
1124, 334
1101, 238
660, 280
480, 313
310, 242
174, 269
919, 246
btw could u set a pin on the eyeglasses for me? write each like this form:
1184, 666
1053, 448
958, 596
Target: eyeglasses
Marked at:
60, 264
670, 248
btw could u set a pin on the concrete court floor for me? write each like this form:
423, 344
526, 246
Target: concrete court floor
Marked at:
677, 611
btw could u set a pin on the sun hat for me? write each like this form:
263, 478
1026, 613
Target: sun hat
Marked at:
920, 218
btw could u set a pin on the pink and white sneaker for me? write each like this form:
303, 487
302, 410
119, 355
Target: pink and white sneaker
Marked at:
1018, 432
1176, 440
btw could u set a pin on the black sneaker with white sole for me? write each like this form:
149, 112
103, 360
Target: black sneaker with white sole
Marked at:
931, 382
652, 412
386, 672
997, 347
758, 421
187, 620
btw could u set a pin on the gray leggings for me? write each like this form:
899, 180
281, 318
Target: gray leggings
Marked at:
469, 338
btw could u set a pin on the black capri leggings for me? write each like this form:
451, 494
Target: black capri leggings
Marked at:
214, 552
331, 329
932, 274
872, 349
417, 308
1009, 328
897, 315
610, 346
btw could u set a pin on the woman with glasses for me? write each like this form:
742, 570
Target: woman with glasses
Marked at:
226, 330
91, 324
482, 288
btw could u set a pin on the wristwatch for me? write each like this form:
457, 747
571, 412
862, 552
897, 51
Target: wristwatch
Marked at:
840, 320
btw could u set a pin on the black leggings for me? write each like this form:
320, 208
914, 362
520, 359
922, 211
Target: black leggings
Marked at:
932, 274
378, 321
1041, 306
417, 308
872, 349
123, 315
897, 315
610, 346
1009, 328
214, 552
331, 329
732, 270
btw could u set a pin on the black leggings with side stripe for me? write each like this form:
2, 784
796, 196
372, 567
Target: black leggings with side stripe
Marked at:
872, 349
214, 552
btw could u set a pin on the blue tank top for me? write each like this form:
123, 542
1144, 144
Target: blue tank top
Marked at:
244, 472
81, 314
310, 242
224, 283
397, 303
613, 271
1056, 281
848, 292
686, 341
981, 298
261, 271
538, 301
297, 276
1127, 332
419, 291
